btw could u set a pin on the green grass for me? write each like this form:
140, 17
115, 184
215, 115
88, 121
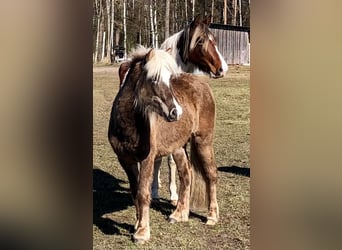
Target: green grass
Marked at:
114, 214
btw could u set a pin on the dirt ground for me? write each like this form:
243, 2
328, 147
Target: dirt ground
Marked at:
113, 210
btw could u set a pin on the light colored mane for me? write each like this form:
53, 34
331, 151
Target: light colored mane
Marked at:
139, 53
171, 43
162, 64
198, 33
181, 56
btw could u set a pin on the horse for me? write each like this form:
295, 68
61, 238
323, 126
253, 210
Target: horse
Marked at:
157, 112
193, 48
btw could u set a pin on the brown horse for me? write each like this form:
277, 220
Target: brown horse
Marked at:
156, 113
193, 48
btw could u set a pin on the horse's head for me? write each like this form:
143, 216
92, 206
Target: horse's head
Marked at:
198, 46
154, 91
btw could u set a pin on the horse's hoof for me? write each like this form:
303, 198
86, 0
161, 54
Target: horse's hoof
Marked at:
139, 241
211, 222
174, 202
172, 220
141, 235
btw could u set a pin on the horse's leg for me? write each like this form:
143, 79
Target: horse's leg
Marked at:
172, 180
182, 210
205, 154
156, 174
132, 172
142, 232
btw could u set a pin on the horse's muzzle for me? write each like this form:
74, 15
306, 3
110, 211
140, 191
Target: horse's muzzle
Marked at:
220, 73
173, 115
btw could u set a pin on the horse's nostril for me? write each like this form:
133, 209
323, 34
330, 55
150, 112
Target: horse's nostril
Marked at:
220, 70
173, 114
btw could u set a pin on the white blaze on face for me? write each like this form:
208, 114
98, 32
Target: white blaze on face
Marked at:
178, 108
224, 65
165, 76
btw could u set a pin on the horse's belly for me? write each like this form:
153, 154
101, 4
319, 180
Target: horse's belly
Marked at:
171, 136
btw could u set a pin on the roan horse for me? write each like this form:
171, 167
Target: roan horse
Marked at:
157, 112
193, 48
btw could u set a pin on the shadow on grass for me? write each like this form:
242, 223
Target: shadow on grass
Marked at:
244, 171
109, 196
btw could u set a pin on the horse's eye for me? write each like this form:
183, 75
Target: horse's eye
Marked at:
200, 42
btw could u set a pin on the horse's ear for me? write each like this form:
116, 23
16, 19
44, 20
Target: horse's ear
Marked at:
207, 20
197, 20
150, 54
124, 67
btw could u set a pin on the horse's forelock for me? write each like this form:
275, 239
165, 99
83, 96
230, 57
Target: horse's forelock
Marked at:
139, 53
161, 62
200, 32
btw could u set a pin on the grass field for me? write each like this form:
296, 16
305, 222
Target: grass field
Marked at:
113, 210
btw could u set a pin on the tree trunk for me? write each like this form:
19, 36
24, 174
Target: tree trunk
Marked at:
103, 46
108, 49
225, 12
140, 25
175, 19
212, 10
112, 29
186, 10
156, 36
97, 34
117, 36
240, 14
151, 24
193, 9
101, 35
124, 27
167, 19
234, 12
147, 29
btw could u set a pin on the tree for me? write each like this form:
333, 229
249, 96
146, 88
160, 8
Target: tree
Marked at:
225, 12
127, 23
124, 27
234, 12
167, 18
212, 10
193, 9
186, 9
155, 24
240, 15
97, 11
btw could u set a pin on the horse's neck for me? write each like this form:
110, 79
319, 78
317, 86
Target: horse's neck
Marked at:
187, 67
126, 108
171, 43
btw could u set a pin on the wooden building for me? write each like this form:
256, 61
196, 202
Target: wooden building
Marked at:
233, 42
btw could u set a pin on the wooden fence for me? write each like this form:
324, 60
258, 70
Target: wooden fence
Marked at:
232, 42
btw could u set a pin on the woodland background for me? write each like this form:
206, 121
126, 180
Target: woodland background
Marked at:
121, 24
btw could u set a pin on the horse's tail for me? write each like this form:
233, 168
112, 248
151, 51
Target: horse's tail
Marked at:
199, 199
